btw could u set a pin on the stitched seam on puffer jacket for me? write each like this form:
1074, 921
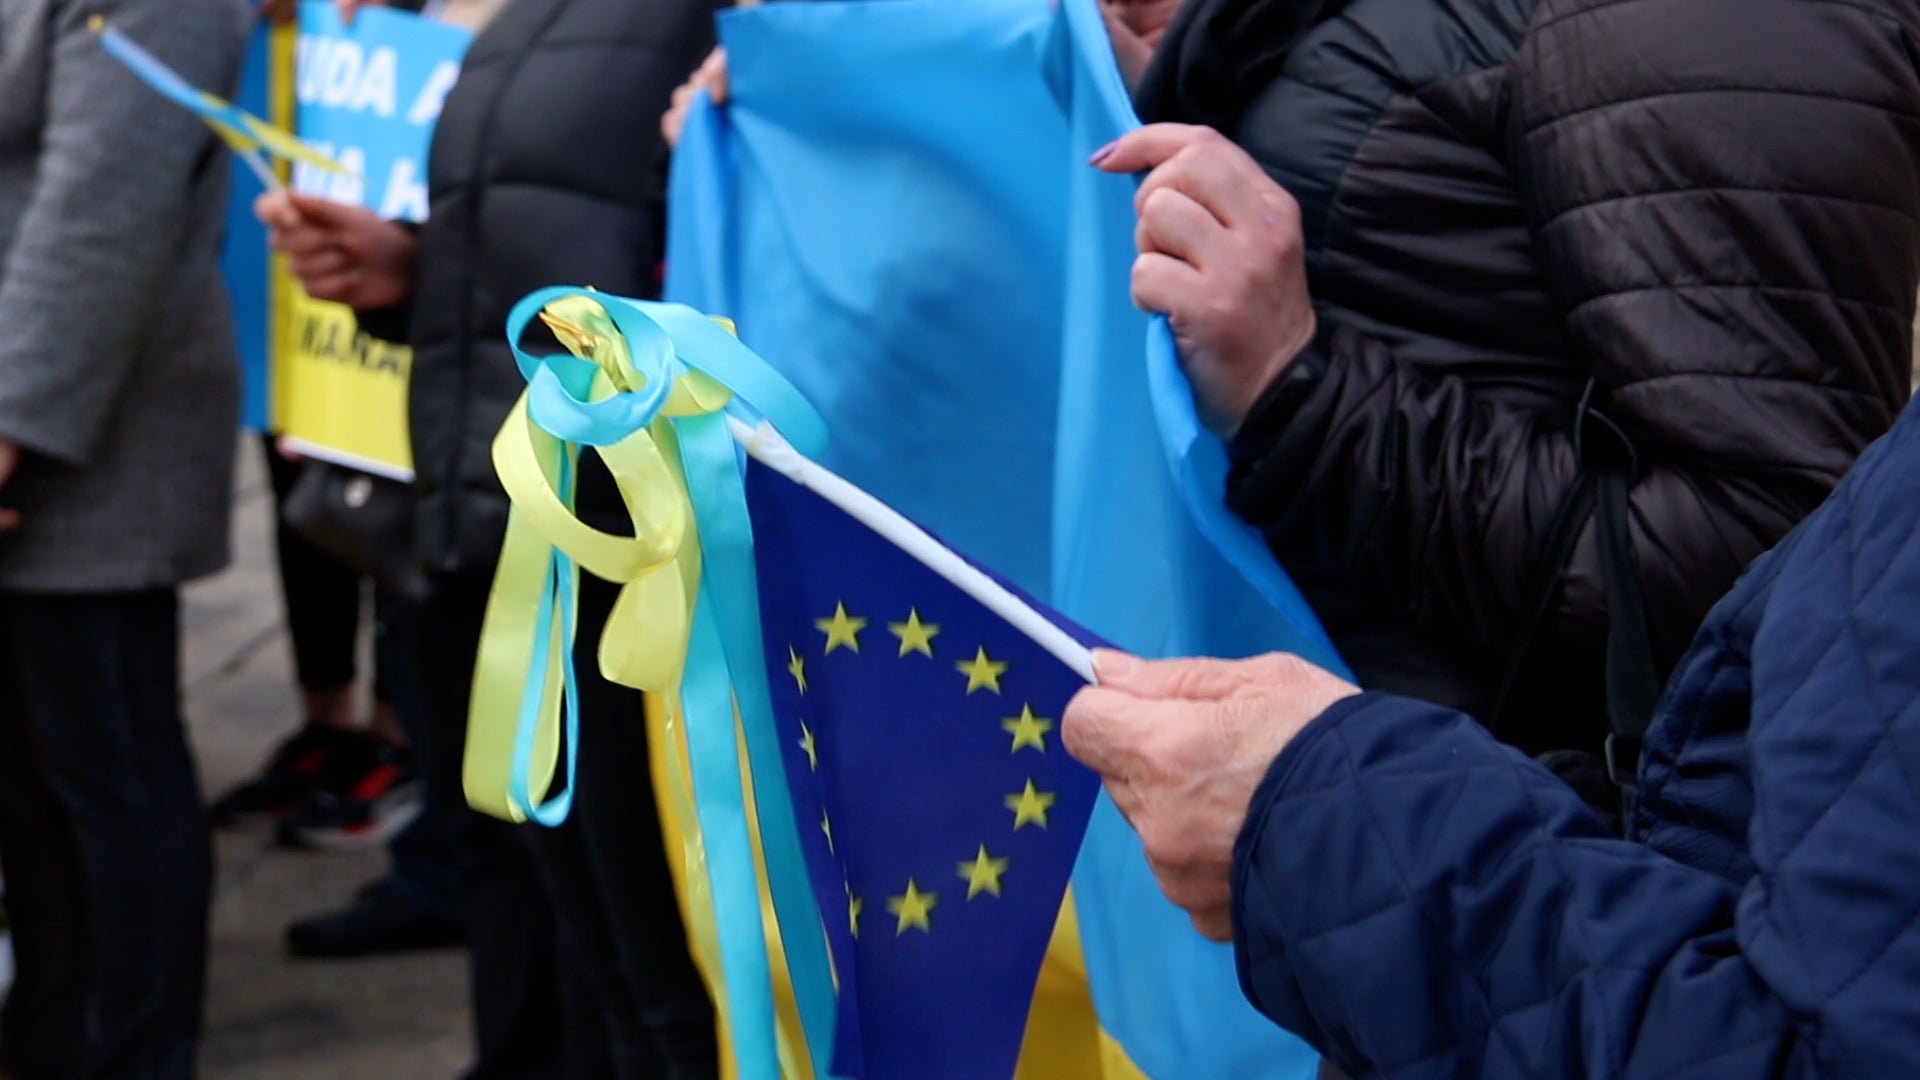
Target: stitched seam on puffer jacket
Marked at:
1680, 817
1794, 290
1343, 95
1678, 1070
1790, 382
1796, 194
1884, 744
1492, 1017
1479, 975
1577, 928
1552, 21
1381, 48
1794, 922
1323, 240
1698, 91
1728, 648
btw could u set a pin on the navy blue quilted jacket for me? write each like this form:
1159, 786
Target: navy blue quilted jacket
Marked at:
1416, 900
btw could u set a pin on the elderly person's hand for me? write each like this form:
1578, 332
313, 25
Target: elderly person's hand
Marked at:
1181, 745
346, 254
711, 76
1221, 253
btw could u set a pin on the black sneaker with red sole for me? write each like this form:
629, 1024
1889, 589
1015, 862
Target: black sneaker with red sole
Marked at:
289, 775
369, 791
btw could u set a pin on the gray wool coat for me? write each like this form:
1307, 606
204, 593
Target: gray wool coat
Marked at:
117, 368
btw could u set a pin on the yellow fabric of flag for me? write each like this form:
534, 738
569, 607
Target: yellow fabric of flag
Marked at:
1064, 1037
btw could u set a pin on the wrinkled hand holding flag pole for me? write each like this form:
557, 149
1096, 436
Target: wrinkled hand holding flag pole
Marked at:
245, 133
917, 816
958, 309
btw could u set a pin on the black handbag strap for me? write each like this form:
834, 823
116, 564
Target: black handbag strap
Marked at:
1563, 532
1633, 681
1608, 466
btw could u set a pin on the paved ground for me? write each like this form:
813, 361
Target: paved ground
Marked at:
269, 1017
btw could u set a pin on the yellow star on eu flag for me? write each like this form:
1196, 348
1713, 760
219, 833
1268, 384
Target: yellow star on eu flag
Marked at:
797, 667
854, 904
982, 875
915, 636
912, 909
826, 823
807, 744
842, 629
1027, 730
1029, 807
982, 673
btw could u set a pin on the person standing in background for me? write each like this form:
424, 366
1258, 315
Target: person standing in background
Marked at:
540, 173
119, 398
332, 783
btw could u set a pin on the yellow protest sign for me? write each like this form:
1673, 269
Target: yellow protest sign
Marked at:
366, 96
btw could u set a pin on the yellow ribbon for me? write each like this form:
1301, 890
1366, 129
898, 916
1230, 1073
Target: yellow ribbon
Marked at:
646, 384
644, 643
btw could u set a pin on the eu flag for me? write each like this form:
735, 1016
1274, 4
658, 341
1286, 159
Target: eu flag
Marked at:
940, 815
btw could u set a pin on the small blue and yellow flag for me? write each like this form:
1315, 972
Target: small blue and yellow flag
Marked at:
940, 814
245, 133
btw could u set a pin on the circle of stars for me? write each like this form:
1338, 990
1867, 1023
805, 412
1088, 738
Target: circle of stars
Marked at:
913, 908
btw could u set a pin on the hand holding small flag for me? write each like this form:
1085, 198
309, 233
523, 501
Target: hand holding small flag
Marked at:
1181, 745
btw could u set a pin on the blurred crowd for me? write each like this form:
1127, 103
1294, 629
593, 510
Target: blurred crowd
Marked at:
1561, 351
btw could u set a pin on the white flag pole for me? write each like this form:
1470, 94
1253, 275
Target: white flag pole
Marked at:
766, 446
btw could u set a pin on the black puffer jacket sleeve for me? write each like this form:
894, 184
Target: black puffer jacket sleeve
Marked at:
1725, 198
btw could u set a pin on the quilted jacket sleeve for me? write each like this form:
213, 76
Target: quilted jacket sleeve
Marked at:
1414, 899
1726, 199
1417, 900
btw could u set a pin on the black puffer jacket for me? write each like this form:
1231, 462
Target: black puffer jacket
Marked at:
1710, 207
542, 173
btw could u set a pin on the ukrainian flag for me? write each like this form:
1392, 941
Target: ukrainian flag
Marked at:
896, 210
247, 134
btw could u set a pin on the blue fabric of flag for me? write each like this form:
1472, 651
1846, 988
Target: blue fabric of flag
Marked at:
882, 246
896, 209
243, 257
940, 814
1147, 553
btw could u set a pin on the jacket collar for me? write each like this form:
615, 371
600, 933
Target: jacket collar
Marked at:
1217, 53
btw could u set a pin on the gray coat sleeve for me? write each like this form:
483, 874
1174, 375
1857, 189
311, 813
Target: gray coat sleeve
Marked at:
80, 287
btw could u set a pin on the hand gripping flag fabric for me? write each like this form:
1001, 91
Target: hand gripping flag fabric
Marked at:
896, 209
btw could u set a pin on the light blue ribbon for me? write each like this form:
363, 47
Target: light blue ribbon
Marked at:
726, 664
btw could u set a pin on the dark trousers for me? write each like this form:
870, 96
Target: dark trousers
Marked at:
323, 602
102, 839
624, 956
424, 867
608, 870
534, 1016
323, 598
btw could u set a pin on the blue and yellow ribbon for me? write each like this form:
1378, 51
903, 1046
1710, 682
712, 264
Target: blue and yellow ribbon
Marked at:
649, 387
241, 130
